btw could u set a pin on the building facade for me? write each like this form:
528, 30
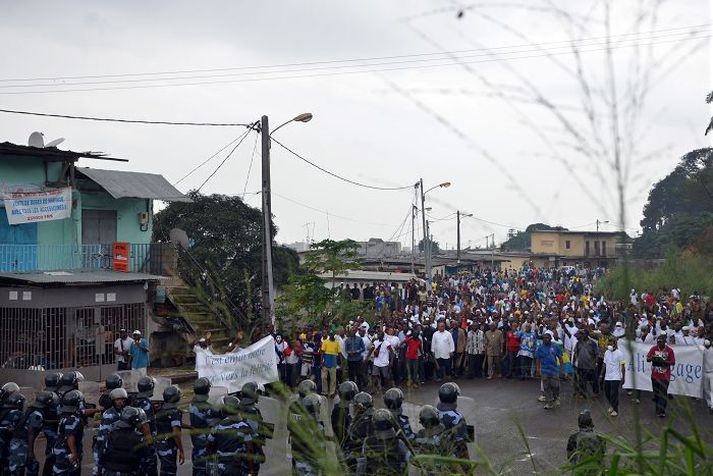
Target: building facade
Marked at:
571, 248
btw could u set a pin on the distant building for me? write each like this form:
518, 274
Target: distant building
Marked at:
298, 246
378, 248
570, 248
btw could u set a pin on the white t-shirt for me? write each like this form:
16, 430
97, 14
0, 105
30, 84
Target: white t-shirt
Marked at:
126, 343
613, 361
382, 360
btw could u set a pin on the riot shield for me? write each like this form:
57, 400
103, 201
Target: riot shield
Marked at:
91, 391
271, 410
30, 393
160, 386
411, 410
216, 394
131, 380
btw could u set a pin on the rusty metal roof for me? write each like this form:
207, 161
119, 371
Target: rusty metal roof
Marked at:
77, 277
50, 153
120, 184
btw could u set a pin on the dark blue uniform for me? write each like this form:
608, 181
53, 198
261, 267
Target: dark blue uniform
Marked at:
150, 464
202, 414
9, 417
69, 425
31, 422
49, 428
455, 431
124, 451
109, 417
229, 442
168, 418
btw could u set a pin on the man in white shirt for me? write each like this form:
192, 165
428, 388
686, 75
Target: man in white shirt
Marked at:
442, 347
613, 370
121, 350
383, 354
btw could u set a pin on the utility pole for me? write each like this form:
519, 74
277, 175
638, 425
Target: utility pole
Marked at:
458, 237
599, 222
492, 253
413, 238
268, 291
426, 247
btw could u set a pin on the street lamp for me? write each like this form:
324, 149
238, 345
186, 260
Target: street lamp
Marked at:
458, 215
268, 288
426, 239
599, 222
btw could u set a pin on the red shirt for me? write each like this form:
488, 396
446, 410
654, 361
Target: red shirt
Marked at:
413, 345
661, 372
512, 341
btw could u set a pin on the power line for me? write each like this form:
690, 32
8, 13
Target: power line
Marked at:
325, 212
127, 121
568, 43
242, 138
194, 169
452, 61
250, 167
353, 182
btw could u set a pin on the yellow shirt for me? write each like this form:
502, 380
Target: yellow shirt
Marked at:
330, 347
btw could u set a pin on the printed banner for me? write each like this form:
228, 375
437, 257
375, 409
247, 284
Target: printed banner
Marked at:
28, 207
257, 363
686, 375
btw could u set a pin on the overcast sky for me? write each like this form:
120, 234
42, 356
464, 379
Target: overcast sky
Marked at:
465, 117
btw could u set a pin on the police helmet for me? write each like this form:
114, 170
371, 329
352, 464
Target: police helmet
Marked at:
142, 415
130, 417
53, 380
70, 381
306, 387
15, 400
393, 398
43, 399
8, 389
145, 387
363, 401
448, 393
383, 423
311, 404
71, 401
585, 419
249, 393
171, 394
201, 386
347, 390
428, 416
118, 393
230, 406
114, 381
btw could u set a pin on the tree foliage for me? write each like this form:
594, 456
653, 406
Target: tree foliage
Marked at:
435, 248
521, 239
226, 236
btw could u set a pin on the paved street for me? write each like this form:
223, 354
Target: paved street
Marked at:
504, 406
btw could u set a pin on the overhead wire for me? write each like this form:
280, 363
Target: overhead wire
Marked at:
127, 121
194, 169
325, 212
250, 167
242, 138
337, 176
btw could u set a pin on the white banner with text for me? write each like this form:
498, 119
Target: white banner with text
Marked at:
686, 374
256, 363
33, 206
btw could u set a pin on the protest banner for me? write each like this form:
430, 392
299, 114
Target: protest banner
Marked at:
686, 374
256, 363
35, 206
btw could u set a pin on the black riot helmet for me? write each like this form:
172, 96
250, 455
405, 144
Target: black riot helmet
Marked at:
145, 387
70, 381
130, 418
249, 393
347, 391
71, 401
448, 393
15, 400
363, 401
384, 424
393, 399
428, 416
230, 406
52, 381
306, 387
585, 419
171, 394
7, 390
201, 386
311, 404
114, 381
43, 399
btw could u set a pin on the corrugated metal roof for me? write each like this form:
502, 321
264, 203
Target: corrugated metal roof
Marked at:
79, 277
362, 275
50, 153
122, 184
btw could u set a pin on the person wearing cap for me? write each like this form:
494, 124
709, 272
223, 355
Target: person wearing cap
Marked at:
662, 358
686, 338
619, 330
122, 346
586, 445
139, 353
708, 374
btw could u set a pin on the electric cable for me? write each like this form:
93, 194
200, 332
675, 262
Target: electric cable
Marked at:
194, 169
128, 121
242, 138
250, 167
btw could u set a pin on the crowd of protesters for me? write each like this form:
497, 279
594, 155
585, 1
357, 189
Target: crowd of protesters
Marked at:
544, 323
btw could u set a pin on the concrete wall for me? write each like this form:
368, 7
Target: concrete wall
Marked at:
573, 244
127, 215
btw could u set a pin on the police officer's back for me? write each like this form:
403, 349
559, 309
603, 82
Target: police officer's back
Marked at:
429, 439
231, 440
125, 450
202, 415
68, 447
142, 401
341, 416
168, 429
456, 432
393, 400
360, 428
51, 422
21, 454
384, 453
251, 414
112, 382
307, 438
13, 407
296, 410
586, 447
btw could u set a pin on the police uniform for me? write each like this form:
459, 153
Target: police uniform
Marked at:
384, 453
456, 431
124, 452
341, 421
109, 417
168, 418
429, 441
229, 442
9, 418
31, 422
69, 425
49, 428
359, 430
150, 464
584, 445
404, 424
202, 414
252, 416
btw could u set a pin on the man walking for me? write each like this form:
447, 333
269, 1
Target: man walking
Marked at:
442, 346
662, 359
330, 352
549, 359
494, 350
354, 346
613, 369
122, 345
139, 353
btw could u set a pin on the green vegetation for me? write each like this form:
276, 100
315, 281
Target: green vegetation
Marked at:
521, 239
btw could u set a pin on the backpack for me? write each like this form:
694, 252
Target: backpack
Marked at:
590, 446
120, 454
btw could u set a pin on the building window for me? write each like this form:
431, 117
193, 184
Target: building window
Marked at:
596, 248
567, 244
604, 248
586, 248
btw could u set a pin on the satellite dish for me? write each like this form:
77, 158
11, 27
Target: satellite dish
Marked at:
176, 235
54, 143
37, 139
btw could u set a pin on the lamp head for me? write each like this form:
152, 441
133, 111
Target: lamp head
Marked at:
444, 184
304, 117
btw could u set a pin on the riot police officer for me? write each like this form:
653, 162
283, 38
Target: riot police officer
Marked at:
125, 447
8, 389
429, 439
248, 399
22, 446
10, 414
231, 440
51, 421
359, 430
393, 400
68, 448
202, 414
586, 445
383, 451
168, 429
341, 416
307, 438
118, 398
453, 421
142, 401
70, 381
112, 382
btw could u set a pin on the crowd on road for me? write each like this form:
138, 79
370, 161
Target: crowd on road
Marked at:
528, 323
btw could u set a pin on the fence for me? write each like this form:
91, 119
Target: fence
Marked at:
153, 258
